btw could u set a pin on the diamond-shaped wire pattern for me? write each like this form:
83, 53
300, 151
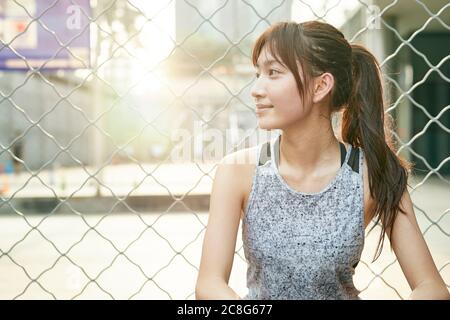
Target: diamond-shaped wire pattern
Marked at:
91, 206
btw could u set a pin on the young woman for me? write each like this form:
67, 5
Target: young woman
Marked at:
305, 198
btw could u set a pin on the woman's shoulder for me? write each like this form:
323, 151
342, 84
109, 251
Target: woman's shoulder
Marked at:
239, 167
246, 157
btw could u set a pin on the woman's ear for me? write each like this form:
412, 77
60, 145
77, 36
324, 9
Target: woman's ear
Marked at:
323, 85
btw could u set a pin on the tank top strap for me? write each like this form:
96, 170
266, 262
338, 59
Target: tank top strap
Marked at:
343, 152
354, 159
265, 153
271, 149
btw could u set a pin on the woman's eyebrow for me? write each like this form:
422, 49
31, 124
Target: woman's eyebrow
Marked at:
267, 63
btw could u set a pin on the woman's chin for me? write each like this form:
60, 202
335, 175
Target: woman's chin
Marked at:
265, 125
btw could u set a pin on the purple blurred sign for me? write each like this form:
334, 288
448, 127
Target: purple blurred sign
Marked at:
44, 33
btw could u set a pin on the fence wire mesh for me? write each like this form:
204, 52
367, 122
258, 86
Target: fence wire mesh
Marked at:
92, 205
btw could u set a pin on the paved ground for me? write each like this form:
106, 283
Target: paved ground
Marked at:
147, 179
26, 254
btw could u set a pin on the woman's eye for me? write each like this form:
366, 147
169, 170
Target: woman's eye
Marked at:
273, 70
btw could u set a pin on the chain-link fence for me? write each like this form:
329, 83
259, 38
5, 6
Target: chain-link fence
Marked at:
93, 204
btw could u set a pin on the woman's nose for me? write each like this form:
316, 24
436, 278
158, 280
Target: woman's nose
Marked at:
257, 90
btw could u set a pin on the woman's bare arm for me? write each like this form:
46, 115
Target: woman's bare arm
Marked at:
220, 238
414, 256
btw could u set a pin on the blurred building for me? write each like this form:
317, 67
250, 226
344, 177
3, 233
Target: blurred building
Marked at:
411, 42
213, 80
235, 19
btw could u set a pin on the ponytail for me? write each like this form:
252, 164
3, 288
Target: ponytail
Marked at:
364, 125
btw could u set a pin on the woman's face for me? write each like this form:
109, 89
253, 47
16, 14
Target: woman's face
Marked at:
276, 87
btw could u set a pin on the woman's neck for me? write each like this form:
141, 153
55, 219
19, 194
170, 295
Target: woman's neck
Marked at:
307, 148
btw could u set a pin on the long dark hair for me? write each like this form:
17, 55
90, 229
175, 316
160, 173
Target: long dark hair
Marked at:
358, 91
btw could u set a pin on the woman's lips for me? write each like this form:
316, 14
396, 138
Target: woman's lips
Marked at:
260, 109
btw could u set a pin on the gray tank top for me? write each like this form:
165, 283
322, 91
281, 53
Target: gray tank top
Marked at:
303, 245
